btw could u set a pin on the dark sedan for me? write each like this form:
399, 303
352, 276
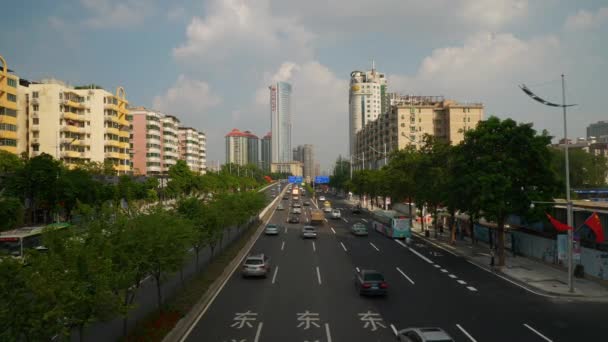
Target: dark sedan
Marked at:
294, 219
370, 282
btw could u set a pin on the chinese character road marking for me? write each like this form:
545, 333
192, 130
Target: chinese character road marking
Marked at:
244, 318
372, 320
307, 319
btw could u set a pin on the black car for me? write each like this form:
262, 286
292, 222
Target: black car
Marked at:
306, 203
285, 197
357, 209
370, 282
294, 219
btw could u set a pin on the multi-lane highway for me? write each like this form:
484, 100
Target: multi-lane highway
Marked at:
309, 294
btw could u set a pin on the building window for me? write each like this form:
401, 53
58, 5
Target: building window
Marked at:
36, 148
35, 107
61, 96
35, 95
12, 82
8, 142
8, 127
35, 121
11, 97
8, 112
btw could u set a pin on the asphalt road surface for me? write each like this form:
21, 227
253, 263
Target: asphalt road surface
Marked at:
309, 294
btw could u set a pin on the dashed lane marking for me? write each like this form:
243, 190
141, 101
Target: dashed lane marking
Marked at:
471, 288
405, 275
274, 276
376, 248
357, 268
283, 245
258, 332
327, 332
461, 282
344, 247
437, 266
394, 329
538, 333
319, 275
345, 220
314, 247
466, 333
414, 251
332, 230
452, 276
364, 220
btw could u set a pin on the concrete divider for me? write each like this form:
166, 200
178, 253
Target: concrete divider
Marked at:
185, 325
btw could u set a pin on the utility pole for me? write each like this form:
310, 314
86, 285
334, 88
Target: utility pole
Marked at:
385, 154
363, 160
351, 166
569, 202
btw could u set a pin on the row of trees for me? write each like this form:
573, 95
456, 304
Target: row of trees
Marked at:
93, 271
40, 189
496, 171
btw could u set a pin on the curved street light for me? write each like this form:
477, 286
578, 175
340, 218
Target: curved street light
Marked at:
535, 97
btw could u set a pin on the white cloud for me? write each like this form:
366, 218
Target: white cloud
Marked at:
585, 20
187, 98
109, 14
245, 30
176, 13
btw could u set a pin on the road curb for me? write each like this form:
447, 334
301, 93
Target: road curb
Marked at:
183, 326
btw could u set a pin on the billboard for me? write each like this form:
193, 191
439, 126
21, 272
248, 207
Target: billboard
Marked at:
322, 179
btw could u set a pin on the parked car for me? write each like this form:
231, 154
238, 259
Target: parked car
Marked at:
280, 207
336, 214
423, 335
294, 219
370, 282
309, 232
271, 229
359, 229
256, 265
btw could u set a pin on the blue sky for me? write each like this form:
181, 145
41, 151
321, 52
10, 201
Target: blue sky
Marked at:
209, 62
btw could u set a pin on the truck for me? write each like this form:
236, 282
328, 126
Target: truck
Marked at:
295, 190
316, 217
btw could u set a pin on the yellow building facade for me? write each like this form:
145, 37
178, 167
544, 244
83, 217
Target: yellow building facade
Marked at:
9, 127
78, 125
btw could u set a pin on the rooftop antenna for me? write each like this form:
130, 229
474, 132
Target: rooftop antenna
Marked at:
373, 66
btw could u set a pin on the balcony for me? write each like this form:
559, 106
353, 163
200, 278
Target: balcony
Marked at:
124, 133
72, 154
112, 118
123, 168
8, 134
72, 116
125, 144
112, 130
112, 155
35, 141
113, 143
35, 114
154, 168
72, 129
74, 104
111, 106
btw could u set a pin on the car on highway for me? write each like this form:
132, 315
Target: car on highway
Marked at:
370, 282
280, 207
256, 265
296, 205
294, 219
309, 232
327, 210
336, 214
296, 210
321, 198
285, 197
359, 229
423, 335
356, 209
271, 229
306, 203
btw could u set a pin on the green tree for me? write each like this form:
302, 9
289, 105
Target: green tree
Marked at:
586, 169
511, 165
401, 171
11, 213
182, 179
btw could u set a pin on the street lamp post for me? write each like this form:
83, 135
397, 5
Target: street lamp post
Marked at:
567, 168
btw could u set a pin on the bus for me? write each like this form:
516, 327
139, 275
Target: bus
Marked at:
391, 224
15, 242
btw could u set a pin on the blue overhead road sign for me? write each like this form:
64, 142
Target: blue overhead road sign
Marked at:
322, 179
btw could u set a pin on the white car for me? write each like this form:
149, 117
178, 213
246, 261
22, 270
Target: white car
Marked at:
336, 214
327, 210
321, 198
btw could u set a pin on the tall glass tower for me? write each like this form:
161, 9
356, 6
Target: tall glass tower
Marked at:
280, 122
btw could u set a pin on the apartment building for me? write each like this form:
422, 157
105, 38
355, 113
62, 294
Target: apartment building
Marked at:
242, 147
77, 125
9, 126
407, 121
192, 148
170, 131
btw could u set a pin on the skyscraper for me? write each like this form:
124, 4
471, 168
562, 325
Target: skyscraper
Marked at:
280, 122
253, 148
242, 147
266, 152
305, 155
367, 99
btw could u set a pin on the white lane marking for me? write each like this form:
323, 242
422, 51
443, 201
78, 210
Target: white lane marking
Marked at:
283, 245
437, 266
444, 270
314, 247
236, 265
326, 220
376, 248
257, 333
344, 247
406, 277
364, 220
274, 276
318, 275
345, 220
394, 329
461, 282
466, 333
511, 281
357, 268
285, 229
327, 332
538, 333
471, 288
414, 251
452, 276
332, 230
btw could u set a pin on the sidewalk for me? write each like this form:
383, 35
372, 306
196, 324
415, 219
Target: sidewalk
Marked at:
536, 276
